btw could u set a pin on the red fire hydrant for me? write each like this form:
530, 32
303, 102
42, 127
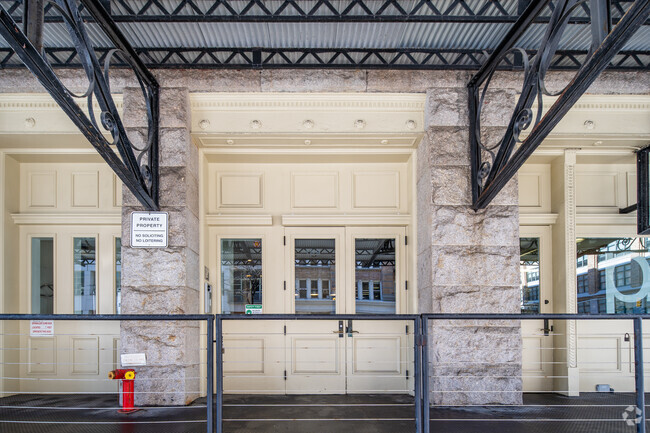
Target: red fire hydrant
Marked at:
127, 380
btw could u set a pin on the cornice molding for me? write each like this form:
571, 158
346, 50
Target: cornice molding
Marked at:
43, 102
221, 118
238, 220
606, 103
346, 220
537, 219
606, 219
67, 219
318, 101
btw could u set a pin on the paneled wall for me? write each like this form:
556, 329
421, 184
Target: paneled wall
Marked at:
308, 188
600, 188
69, 188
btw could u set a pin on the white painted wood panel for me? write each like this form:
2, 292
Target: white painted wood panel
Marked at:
314, 190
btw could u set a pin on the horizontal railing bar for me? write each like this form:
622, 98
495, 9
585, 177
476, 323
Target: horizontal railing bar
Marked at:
373, 317
298, 317
314, 419
514, 316
103, 317
101, 407
320, 405
103, 422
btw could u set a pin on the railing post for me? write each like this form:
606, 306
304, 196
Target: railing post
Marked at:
638, 375
219, 361
210, 367
425, 374
417, 341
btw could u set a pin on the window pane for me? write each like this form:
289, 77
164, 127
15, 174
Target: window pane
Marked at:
315, 262
529, 271
42, 276
375, 276
85, 286
118, 275
241, 274
616, 277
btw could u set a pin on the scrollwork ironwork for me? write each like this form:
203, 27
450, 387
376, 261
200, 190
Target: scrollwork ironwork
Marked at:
137, 166
493, 165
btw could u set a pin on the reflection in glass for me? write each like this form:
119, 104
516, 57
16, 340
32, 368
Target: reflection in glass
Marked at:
375, 276
42, 276
613, 275
118, 275
85, 285
315, 270
241, 274
529, 273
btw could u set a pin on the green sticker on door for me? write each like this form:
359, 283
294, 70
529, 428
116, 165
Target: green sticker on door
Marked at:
253, 308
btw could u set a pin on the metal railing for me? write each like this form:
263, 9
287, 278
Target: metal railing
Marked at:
341, 318
420, 340
638, 415
59, 412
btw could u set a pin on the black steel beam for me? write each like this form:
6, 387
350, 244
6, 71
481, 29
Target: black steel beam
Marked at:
502, 173
278, 58
33, 15
326, 11
643, 191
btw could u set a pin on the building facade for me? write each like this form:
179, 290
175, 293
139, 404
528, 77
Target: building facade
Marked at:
313, 191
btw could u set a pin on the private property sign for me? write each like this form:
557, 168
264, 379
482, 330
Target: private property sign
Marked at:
149, 229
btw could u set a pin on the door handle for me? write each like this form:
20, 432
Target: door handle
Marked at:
349, 329
547, 329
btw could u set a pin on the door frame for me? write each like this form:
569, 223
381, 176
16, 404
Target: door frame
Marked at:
540, 380
399, 234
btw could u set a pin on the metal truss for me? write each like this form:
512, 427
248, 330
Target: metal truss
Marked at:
493, 164
136, 165
492, 11
269, 58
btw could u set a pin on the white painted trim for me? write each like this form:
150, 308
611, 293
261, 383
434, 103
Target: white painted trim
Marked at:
605, 103
238, 220
606, 219
44, 102
220, 119
537, 219
345, 220
67, 219
274, 101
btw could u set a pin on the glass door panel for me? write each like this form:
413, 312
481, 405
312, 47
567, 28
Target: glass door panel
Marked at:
315, 276
241, 274
375, 269
42, 276
85, 276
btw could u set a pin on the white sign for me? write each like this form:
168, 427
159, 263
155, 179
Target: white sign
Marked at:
41, 328
133, 359
149, 229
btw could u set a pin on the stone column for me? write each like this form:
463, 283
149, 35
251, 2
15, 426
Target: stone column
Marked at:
468, 261
164, 280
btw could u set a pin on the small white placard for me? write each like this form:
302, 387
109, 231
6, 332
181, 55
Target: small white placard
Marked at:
133, 359
149, 229
41, 328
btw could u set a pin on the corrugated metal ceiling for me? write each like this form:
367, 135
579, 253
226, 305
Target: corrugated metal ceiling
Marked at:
203, 34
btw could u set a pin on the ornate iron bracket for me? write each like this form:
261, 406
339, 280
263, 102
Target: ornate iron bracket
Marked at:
136, 166
493, 165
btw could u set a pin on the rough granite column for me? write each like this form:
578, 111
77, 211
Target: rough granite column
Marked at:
164, 280
468, 261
